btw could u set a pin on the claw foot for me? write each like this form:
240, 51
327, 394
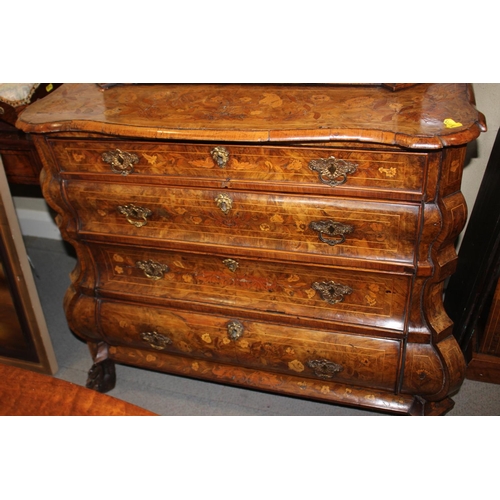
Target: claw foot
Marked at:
102, 376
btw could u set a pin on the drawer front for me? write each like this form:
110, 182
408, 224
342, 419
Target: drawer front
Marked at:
304, 291
309, 225
293, 166
362, 361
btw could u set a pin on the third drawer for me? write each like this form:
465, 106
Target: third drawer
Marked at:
303, 291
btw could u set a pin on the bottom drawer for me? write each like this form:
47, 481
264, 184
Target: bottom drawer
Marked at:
358, 360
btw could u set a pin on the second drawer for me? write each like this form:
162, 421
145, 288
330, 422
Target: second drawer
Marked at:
380, 231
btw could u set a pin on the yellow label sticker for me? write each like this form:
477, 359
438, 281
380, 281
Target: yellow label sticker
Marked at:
49, 87
450, 123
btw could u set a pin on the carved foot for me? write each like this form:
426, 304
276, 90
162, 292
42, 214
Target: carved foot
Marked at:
439, 407
102, 376
431, 408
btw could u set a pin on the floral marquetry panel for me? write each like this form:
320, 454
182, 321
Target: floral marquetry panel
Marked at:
290, 168
414, 117
380, 231
293, 290
260, 346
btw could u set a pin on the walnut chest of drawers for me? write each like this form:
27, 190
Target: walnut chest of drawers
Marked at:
288, 238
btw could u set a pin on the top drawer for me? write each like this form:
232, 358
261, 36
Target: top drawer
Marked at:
313, 169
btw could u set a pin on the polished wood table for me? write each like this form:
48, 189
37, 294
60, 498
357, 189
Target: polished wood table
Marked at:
26, 393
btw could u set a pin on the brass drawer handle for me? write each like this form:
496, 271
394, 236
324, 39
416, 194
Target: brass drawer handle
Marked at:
137, 216
224, 202
331, 292
220, 156
152, 269
332, 171
331, 228
235, 329
156, 340
324, 369
121, 162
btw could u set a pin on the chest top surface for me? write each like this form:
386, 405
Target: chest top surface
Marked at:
423, 116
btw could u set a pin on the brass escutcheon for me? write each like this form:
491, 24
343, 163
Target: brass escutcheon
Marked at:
331, 228
231, 264
137, 216
324, 369
332, 171
152, 269
235, 329
220, 156
331, 292
121, 162
156, 340
224, 202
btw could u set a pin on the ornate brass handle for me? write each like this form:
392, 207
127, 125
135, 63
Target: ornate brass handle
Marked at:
324, 369
121, 162
224, 202
331, 292
137, 216
235, 329
153, 270
156, 340
220, 156
331, 228
332, 171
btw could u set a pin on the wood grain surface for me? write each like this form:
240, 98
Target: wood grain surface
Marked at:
311, 265
413, 117
26, 393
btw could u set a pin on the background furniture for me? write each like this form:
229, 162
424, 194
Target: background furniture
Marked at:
24, 339
20, 159
25, 393
21, 162
287, 238
473, 292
